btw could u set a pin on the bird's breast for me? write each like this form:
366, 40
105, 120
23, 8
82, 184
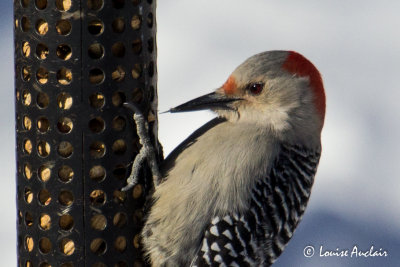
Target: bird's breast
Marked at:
214, 175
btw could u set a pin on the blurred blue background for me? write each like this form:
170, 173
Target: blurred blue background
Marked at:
355, 45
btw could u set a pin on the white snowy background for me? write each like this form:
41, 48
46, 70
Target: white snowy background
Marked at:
355, 45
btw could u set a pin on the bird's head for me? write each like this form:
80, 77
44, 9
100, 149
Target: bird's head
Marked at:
278, 90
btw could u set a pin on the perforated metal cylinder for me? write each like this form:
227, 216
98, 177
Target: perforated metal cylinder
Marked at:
77, 61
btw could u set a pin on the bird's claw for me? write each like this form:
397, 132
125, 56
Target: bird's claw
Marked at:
146, 151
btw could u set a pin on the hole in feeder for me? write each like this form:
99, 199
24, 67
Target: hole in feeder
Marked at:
25, 3
150, 45
136, 241
97, 173
45, 221
136, 71
95, 4
118, 98
42, 27
137, 191
121, 264
66, 198
119, 147
64, 100
137, 95
118, 74
20, 216
28, 146
120, 219
137, 46
44, 197
64, 52
29, 244
28, 219
96, 76
64, 76
135, 22
97, 149
63, 27
97, 197
26, 98
66, 222
44, 173
150, 69
119, 171
43, 124
152, 90
63, 5
119, 196
45, 245
96, 100
118, 4
98, 222
67, 246
27, 123
42, 75
65, 173
64, 125
28, 171
98, 246
41, 4
28, 195
95, 27
150, 20
26, 73
118, 49
43, 149
120, 244
96, 51
42, 100
137, 217
26, 49
42, 51
118, 123
25, 24
65, 149
96, 125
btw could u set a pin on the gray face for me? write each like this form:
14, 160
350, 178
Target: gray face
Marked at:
270, 91
272, 97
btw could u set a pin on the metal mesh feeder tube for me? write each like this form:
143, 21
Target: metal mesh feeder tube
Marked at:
76, 62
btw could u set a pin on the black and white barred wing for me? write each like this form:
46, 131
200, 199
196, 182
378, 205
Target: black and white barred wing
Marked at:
228, 242
278, 201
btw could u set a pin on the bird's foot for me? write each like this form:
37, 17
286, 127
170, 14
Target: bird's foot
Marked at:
147, 150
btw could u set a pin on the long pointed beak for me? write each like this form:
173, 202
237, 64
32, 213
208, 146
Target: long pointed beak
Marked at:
209, 101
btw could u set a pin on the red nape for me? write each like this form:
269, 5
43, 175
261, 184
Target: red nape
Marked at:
299, 65
230, 86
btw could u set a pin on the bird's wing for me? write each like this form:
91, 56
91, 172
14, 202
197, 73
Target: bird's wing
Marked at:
228, 241
169, 161
257, 237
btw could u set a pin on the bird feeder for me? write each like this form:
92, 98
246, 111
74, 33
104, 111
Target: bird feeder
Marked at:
76, 62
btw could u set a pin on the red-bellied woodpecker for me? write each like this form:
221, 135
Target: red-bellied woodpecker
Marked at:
234, 191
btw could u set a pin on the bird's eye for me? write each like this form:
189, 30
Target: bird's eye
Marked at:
255, 88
